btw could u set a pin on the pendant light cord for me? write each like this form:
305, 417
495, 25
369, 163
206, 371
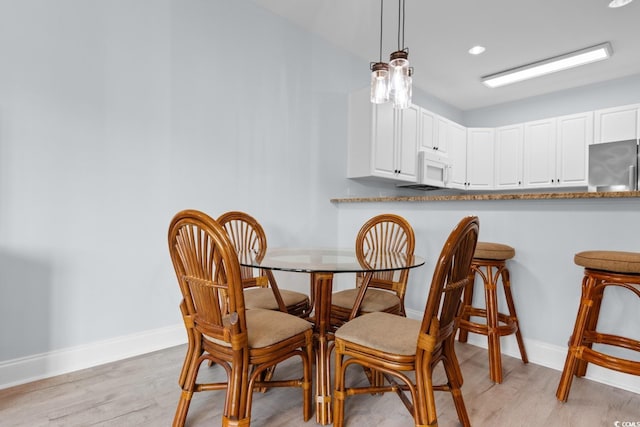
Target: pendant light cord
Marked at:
401, 15
381, 11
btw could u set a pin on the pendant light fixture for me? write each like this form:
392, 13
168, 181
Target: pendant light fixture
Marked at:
392, 81
380, 72
400, 80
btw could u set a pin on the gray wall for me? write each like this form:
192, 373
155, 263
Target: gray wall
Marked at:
114, 115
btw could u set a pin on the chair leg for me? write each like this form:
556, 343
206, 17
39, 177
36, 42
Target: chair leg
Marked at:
236, 407
424, 400
591, 324
575, 341
506, 284
454, 379
452, 370
307, 391
190, 346
188, 389
493, 335
467, 299
339, 392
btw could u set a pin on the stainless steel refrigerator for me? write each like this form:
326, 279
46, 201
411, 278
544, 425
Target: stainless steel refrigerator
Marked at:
613, 166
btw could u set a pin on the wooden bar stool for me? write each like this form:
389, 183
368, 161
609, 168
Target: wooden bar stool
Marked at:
601, 269
489, 262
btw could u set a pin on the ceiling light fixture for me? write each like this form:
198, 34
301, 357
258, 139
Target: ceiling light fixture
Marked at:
392, 81
380, 72
400, 80
551, 65
619, 3
476, 50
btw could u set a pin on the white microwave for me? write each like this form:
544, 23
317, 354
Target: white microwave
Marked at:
433, 169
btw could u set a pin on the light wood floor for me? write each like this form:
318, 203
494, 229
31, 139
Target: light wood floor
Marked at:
143, 391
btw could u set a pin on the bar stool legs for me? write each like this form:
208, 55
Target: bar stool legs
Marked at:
497, 325
602, 269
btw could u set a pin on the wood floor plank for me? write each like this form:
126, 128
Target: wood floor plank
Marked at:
143, 391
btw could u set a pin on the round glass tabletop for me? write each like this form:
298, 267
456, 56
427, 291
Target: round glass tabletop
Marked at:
329, 260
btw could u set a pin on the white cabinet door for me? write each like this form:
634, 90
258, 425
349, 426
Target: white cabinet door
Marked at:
445, 132
508, 156
540, 153
384, 138
458, 158
407, 143
575, 133
480, 159
616, 124
428, 130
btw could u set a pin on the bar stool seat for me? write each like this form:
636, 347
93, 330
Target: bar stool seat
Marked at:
601, 270
489, 262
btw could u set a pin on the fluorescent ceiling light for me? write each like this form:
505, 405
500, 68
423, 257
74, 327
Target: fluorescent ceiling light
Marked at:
551, 65
619, 3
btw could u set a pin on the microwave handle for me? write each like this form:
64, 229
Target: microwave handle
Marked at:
446, 174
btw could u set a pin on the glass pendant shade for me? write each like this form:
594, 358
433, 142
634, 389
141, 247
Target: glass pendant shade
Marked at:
402, 96
379, 83
400, 80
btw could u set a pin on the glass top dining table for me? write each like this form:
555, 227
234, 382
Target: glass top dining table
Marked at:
322, 264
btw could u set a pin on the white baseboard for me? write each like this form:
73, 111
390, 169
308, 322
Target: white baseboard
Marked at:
552, 356
31, 368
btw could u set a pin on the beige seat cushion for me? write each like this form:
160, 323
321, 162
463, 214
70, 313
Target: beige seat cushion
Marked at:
497, 251
614, 261
268, 327
374, 299
263, 298
382, 331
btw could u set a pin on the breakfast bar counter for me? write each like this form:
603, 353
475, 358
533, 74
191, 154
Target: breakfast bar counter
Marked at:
492, 196
547, 227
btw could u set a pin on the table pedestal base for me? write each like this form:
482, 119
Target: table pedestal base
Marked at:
322, 287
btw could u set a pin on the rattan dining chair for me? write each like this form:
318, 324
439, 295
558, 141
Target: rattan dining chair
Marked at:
260, 287
386, 289
243, 342
395, 346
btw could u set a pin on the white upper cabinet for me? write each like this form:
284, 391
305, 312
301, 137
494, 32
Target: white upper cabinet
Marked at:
458, 158
556, 151
428, 130
383, 141
509, 141
407, 143
480, 158
617, 124
446, 131
575, 133
435, 134
540, 153
383, 138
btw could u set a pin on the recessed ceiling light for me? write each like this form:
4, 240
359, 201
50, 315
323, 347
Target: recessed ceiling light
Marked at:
551, 65
476, 50
619, 3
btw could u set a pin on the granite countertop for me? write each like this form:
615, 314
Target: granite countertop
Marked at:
492, 196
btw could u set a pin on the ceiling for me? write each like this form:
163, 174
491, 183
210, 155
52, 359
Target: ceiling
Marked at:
514, 32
